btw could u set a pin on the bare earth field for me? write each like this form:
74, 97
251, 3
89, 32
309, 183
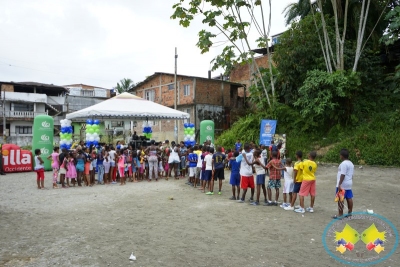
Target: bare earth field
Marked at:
102, 225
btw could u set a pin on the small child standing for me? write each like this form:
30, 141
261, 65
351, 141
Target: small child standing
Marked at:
55, 165
121, 167
274, 178
260, 179
235, 176
71, 169
289, 183
39, 169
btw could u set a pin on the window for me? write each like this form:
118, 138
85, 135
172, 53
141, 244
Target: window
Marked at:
23, 129
186, 90
117, 123
150, 95
87, 92
153, 123
21, 107
171, 86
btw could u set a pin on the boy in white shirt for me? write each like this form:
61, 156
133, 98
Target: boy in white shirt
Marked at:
288, 186
208, 173
344, 181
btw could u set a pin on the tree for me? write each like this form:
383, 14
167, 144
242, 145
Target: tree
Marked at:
125, 85
228, 18
354, 20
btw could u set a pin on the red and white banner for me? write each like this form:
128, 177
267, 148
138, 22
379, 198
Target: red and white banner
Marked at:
15, 159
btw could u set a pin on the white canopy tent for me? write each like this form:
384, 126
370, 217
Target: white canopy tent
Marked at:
127, 107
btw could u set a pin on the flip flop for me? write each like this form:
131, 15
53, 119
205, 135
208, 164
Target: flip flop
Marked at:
335, 217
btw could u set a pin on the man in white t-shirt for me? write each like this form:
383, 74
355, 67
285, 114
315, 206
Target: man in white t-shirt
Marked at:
208, 173
246, 173
344, 182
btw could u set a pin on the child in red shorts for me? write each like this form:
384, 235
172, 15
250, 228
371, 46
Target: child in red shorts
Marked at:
39, 169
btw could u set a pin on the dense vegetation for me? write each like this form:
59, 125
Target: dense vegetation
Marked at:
335, 81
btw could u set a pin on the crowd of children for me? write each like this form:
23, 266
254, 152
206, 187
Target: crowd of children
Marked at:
204, 165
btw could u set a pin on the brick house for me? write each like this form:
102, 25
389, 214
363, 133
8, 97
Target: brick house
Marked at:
202, 98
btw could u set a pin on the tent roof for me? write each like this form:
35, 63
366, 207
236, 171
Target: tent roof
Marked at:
129, 107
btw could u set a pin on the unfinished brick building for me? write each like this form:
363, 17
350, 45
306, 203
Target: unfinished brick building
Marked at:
202, 98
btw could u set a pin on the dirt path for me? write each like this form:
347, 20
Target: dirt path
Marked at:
102, 225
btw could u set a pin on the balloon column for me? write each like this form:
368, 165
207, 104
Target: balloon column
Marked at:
92, 132
189, 134
147, 131
66, 134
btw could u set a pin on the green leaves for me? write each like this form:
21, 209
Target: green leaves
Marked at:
393, 30
205, 42
326, 97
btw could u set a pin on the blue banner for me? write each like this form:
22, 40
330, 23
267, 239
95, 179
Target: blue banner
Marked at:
267, 131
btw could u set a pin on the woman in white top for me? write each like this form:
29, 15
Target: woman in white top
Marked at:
174, 160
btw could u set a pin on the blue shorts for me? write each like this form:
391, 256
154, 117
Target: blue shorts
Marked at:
112, 163
296, 187
260, 179
235, 179
207, 175
348, 194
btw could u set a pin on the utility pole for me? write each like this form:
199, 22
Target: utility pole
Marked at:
4, 118
175, 104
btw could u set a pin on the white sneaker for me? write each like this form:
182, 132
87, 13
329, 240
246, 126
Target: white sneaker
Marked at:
289, 208
284, 205
309, 209
300, 210
297, 207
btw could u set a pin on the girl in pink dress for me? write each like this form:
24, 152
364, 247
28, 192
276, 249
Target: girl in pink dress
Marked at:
55, 165
71, 169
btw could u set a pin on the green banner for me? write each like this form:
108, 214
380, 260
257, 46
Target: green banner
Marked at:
43, 133
207, 131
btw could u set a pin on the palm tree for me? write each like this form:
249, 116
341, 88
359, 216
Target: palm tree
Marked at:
296, 10
125, 85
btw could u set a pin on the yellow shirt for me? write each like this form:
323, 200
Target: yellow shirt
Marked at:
298, 166
309, 169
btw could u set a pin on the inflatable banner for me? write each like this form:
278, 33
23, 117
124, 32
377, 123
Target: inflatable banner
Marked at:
15, 159
207, 131
43, 132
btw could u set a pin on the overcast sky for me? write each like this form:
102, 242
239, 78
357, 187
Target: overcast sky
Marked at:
99, 42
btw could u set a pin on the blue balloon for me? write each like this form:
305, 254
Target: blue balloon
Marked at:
89, 121
191, 125
185, 125
97, 122
95, 143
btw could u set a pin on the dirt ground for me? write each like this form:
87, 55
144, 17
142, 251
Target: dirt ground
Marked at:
102, 225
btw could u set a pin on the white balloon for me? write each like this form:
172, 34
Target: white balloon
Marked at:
62, 121
186, 139
97, 139
192, 139
91, 138
68, 142
95, 135
62, 142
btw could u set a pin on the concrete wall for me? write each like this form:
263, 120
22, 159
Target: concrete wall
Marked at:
75, 103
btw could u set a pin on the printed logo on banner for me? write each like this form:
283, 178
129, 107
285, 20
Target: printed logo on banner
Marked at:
209, 128
45, 137
209, 138
267, 131
44, 151
45, 124
15, 159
